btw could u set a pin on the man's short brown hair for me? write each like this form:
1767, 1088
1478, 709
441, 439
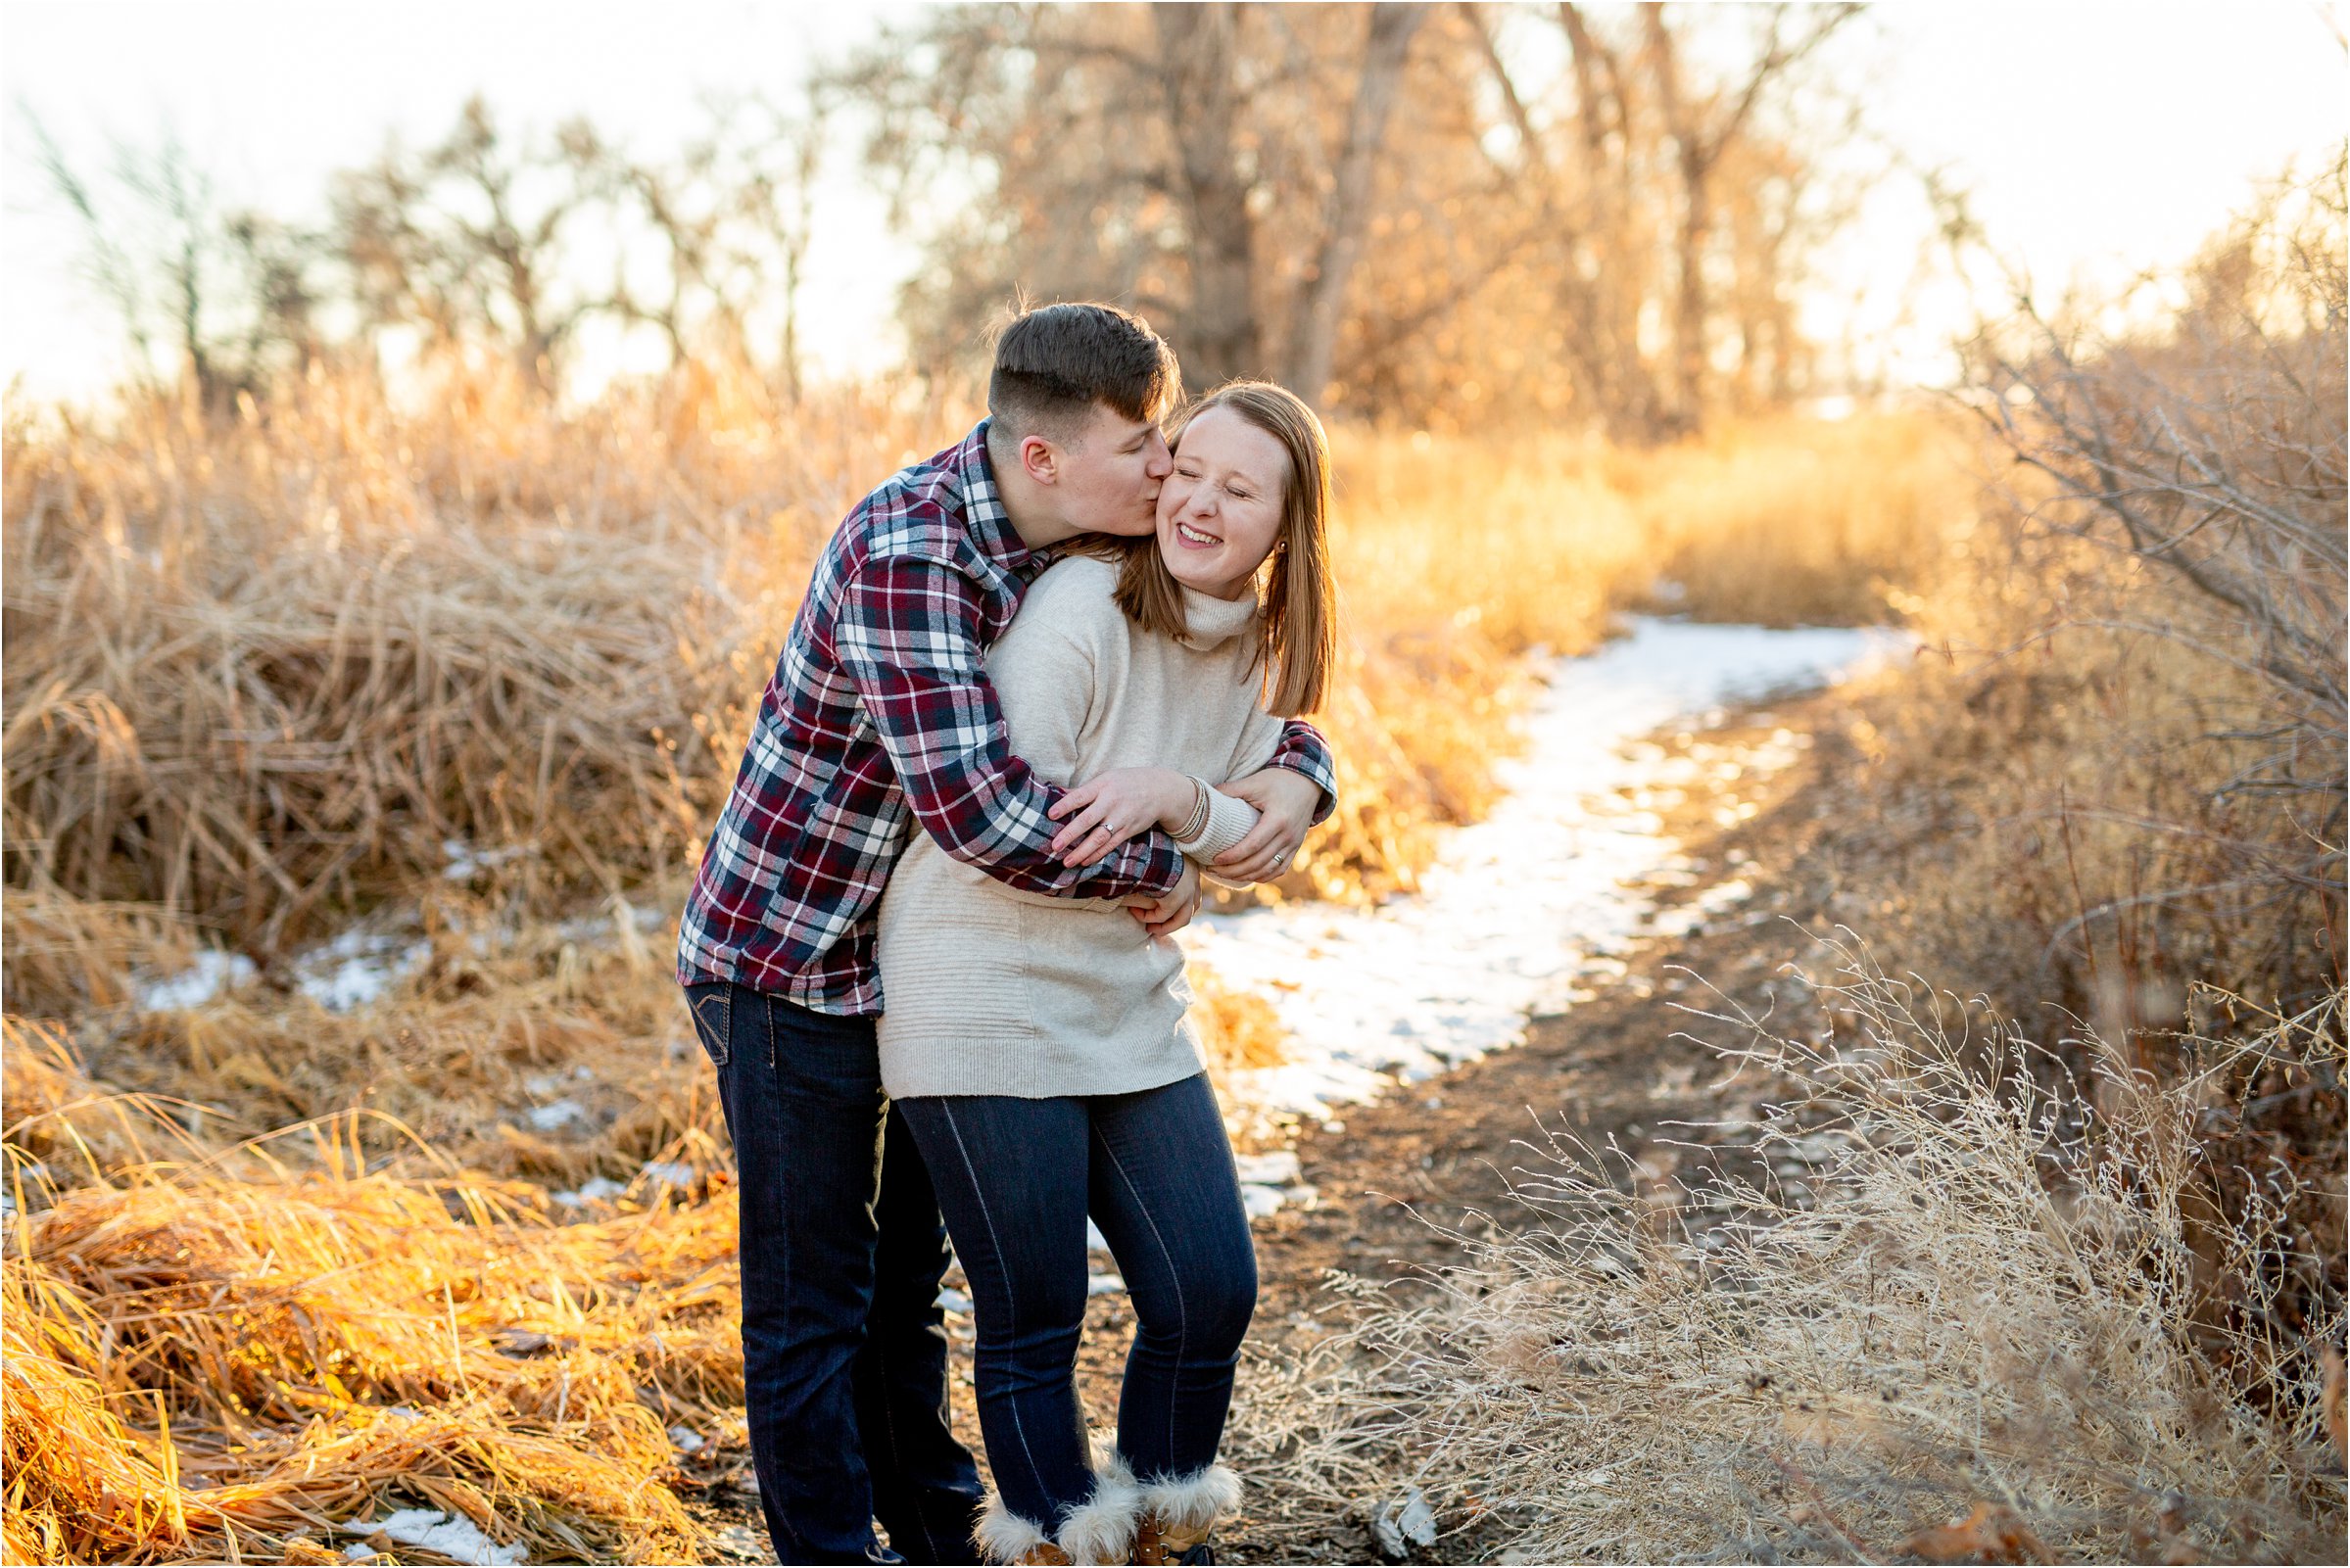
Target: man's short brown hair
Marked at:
1055, 362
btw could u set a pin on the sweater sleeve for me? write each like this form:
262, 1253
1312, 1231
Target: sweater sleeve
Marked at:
1230, 818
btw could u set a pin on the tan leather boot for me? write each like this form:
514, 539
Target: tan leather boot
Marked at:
1158, 1542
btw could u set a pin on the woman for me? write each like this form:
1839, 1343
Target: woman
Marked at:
1036, 1047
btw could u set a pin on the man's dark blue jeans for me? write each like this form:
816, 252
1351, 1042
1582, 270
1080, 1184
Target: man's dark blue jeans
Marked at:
845, 1351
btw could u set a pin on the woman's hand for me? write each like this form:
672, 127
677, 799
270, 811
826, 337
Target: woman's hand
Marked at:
1284, 800
1104, 812
1172, 910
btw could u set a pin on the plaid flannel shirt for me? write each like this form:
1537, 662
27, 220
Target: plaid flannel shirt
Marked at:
880, 713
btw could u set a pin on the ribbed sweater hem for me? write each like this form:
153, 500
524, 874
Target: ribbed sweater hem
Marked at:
948, 1074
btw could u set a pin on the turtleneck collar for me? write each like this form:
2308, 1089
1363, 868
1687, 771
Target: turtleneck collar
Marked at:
1209, 620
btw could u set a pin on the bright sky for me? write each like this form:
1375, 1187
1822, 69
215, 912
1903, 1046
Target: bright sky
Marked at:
2098, 138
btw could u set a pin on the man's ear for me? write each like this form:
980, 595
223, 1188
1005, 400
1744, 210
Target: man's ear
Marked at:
1040, 460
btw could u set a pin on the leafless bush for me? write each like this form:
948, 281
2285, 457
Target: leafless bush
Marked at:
1967, 1329
2188, 484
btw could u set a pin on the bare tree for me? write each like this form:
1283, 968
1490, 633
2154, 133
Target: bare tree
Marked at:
1388, 41
1703, 128
214, 298
468, 238
2210, 455
1217, 166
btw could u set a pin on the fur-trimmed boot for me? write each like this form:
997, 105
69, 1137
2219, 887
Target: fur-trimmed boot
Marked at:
1179, 1512
1100, 1530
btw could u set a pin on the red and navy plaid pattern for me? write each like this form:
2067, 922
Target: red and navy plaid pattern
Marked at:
880, 714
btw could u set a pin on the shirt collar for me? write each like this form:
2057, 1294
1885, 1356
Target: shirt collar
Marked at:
984, 511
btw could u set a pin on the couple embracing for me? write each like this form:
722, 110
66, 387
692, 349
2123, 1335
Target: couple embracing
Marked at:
1037, 685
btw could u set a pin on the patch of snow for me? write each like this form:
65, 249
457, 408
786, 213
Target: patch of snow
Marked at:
554, 1114
358, 967
1521, 908
453, 1537
670, 1172
1404, 1523
1096, 1241
211, 974
594, 1190
1262, 1202
466, 862
954, 1301
1268, 1169
688, 1440
1104, 1285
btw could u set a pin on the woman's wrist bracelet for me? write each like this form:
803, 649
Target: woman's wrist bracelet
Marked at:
1197, 823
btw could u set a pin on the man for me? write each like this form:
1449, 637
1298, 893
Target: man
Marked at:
880, 717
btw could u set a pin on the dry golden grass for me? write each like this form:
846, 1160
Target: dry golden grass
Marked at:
211, 1353
260, 674
1456, 556
1969, 1331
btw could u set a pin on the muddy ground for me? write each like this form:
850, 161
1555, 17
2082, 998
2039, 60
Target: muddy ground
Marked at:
1398, 1178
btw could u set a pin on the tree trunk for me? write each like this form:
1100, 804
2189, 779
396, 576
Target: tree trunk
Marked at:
1316, 337
1220, 334
1694, 159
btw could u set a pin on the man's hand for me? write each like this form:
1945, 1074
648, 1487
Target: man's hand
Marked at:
1172, 911
1105, 811
1284, 802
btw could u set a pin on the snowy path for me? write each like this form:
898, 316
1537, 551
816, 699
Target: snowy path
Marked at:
1523, 907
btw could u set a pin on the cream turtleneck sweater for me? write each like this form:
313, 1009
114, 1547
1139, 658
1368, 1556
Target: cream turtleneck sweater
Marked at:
986, 989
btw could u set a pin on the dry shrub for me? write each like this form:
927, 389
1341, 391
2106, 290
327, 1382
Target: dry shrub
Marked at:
1973, 1308
2116, 783
2154, 620
261, 671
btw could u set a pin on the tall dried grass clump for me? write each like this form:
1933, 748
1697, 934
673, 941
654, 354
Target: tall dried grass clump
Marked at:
1965, 1324
236, 1352
263, 671
1788, 522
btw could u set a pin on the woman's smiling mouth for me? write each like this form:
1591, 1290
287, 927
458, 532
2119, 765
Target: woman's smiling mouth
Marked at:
1194, 539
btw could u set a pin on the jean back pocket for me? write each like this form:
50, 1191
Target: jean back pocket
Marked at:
712, 1005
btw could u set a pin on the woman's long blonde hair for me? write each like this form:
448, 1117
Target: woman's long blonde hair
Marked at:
1298, 626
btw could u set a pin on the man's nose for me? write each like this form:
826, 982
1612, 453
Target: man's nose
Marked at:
1160, 462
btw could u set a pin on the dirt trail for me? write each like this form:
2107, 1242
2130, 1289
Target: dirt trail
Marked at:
1438, 1156
1615, 1068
